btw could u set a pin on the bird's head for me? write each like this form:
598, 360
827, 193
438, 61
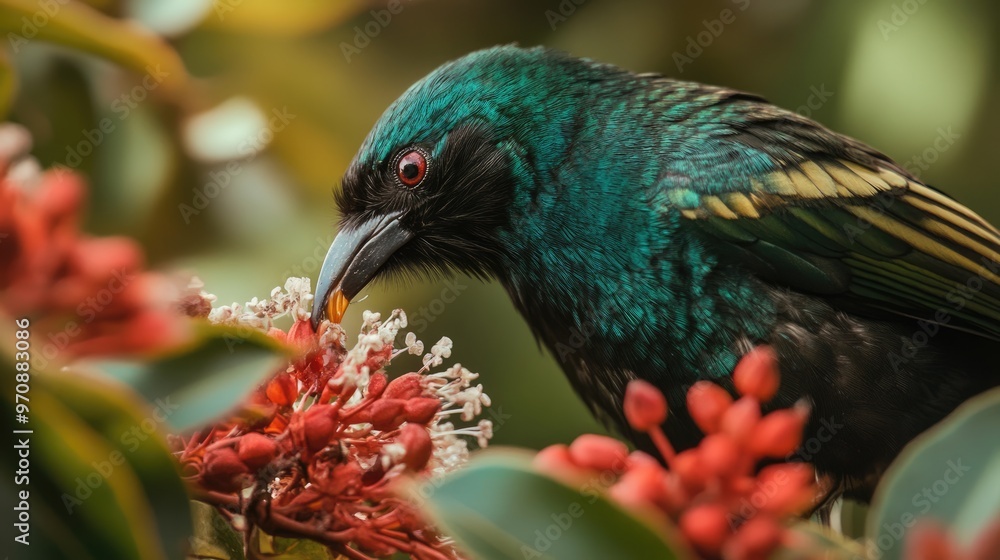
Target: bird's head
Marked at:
433, 183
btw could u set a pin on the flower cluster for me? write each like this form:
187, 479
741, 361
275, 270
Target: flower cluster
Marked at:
725, 506
316, 451
88, 295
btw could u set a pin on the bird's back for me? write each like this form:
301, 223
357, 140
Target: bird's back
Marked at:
684, 224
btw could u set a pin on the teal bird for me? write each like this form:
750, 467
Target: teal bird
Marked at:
673, 226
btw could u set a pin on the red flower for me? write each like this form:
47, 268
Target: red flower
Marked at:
85, 295
325, 440
645, 405
723, 506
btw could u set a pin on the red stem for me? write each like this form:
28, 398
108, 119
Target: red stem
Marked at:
663, 445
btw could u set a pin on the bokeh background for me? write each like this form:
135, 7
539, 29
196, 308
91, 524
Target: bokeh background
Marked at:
227, 168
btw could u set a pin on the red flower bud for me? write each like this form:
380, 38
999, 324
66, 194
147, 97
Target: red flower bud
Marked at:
556, 461
421, 410
640, 459
222, 470
741, 485
706, 526
417, 441
386, 413
640, 487
777, 434
720, 454
677, 497
406, 386
645, 406
741, 419
756, 374
61, 196
301, 334
277, 334
786, 489
706, 403
256, 450
755, 540
282, 390
318, 426
96, 258
600, 453
376, 385
688, 467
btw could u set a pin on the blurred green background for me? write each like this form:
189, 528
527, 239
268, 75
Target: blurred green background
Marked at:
914, 78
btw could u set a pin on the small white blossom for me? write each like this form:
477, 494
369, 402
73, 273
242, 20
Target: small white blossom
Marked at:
439, 352
391, 326
414, 346
295, 300
369, 319
453, 387
196, 284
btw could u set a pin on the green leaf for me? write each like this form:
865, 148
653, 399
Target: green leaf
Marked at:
950, 473
71, 23
206, 380
91, 494
499, 508
214, 537
133, 430
278, 548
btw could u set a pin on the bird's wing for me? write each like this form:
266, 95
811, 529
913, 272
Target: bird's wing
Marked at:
824, 214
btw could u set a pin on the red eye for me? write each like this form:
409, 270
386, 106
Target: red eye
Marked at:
411, 168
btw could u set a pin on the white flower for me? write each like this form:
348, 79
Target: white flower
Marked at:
439, 352
453, 386
414, 346
369, 319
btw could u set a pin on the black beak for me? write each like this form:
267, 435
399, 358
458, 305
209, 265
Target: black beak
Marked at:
355, 257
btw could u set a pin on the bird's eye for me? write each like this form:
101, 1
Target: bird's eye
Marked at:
411, 168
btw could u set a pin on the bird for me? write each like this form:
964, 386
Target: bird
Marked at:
652, 228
